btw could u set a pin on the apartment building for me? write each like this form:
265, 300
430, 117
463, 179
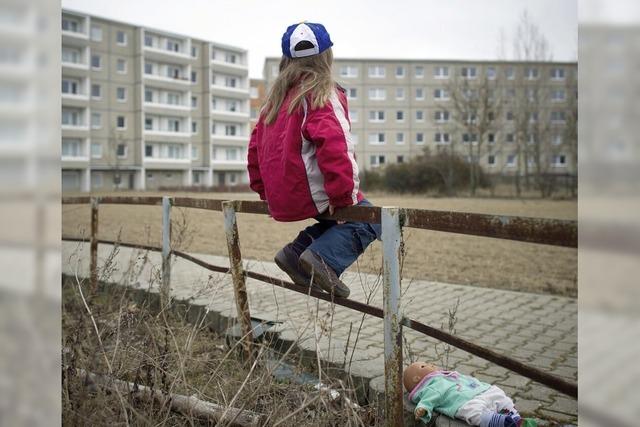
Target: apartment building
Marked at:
400, 107
144, 108
257, 95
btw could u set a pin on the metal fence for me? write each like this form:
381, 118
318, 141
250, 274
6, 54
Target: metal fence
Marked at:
532, 230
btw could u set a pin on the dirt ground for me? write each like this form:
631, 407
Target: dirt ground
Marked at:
430, 255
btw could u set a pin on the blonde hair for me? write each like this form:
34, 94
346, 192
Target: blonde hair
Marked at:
310, 74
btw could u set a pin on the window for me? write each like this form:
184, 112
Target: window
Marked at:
148, 40
400, 116
121, 94
510, 115
96, 150
121, 38
148, 150
70, 86
230, 82
491, 160
441, 72
441, 116
148, 68
121, 151
377, 160
419, 93
194, 102
194, 127
511, 160
491, 73
174, 98
274, 70
400, 72
253, 113
174, 125
509, 138
533, 117
96, 91
194, 76
558, 95
70, 55
70, 25
400, 159
231, 58
557, 117
559, 160
467, 138
469, 118
96, 120
195, 154
96, 62
557, 139
420, 115
399, 93
400, 138
148, 95
419, 73
376, 116
468, 72
491, 138
441, 138
230, 130
352, 93
377, 94
253, 92
419, 138
557, 73
440, 94
148, 123
510, 73
71, 117
531, 73
173, 45
96, 33
121, 122
348, 71
353, 115
194, 51
231, 154
376, 138
121, 66
71, 147
376, 71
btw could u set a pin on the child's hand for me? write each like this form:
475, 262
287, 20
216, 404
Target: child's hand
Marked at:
332, 209
420, 412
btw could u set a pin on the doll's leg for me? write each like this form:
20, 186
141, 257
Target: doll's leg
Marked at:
483, 410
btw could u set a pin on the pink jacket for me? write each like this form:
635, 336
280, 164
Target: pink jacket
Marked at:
305, 161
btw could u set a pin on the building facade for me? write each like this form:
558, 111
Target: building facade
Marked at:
257, 95
400, 107
144, 108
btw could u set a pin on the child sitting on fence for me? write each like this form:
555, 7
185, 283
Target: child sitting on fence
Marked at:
301, 162
459, 396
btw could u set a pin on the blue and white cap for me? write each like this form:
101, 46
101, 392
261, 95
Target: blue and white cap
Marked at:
305, 39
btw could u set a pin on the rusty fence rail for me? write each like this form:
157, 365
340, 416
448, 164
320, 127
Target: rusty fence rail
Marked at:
532, 230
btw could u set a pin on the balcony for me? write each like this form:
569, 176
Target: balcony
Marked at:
232, 67
241, 116
161, 108
180, 81
167, 133
162, 54
241, 91
230, 138
167, 163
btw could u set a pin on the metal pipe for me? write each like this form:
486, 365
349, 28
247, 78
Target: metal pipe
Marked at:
237, 273
391, 231
93, 268
165, 287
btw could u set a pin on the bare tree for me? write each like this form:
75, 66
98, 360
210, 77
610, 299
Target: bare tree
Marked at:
475, 106
570, 134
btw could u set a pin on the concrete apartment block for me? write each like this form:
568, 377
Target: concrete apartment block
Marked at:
145, 108
398, 108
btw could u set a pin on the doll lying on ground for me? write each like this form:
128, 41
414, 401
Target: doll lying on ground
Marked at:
459, 396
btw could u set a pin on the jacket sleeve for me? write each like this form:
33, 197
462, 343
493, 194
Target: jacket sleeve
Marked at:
255, 179
429, 399
329, 129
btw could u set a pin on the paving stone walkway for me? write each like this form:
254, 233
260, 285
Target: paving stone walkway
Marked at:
540, 330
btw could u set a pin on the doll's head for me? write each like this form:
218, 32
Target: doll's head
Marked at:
416, 372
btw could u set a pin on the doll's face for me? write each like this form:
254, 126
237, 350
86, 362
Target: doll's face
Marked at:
416, 372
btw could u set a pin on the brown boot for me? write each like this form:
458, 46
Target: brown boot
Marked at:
322, 274
287, 260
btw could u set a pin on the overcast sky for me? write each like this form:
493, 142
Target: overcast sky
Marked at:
433, 29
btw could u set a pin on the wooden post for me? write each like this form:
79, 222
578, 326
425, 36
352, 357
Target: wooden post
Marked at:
165, 287
94, 244
237, 273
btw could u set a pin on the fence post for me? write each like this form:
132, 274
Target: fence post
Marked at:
93, 274
391, 231
237, 273
165, 287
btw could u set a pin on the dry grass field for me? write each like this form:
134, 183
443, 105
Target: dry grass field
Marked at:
430, 255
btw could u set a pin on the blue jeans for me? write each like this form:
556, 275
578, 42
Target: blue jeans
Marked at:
339, 245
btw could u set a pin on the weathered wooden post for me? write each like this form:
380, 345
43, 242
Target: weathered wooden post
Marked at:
93, 266
391, 232
237, 273
165, 287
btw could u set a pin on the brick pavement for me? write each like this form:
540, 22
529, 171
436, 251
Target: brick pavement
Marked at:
536, 329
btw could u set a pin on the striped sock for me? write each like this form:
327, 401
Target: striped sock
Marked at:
492, 419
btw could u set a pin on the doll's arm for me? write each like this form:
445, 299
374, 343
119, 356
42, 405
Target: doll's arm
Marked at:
429, 400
